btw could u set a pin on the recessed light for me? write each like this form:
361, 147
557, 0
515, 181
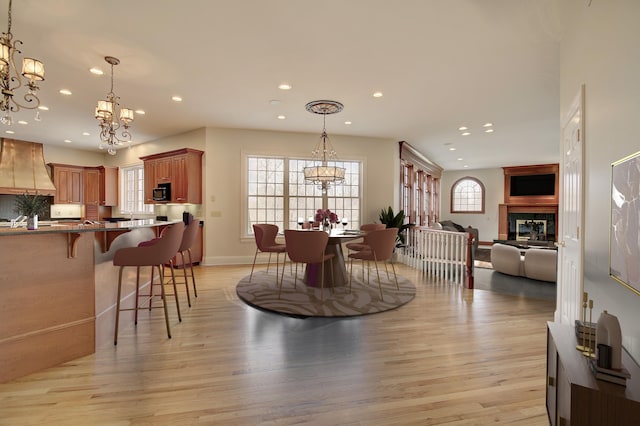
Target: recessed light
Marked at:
65, 92
284, 86
11, 132
86, 134
43, 108
275, 102
96, 71
347, 123
489, 131
281, 117
487, 125
466, 134
140, 112
462, 128
176, 98
452, 149
67, 141
22, 122
460, 159
466, 166
377, 94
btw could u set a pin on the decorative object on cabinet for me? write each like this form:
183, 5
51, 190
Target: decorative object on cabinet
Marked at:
109, 120
11, 80
181, 168
608, 333
31, 205
624, 244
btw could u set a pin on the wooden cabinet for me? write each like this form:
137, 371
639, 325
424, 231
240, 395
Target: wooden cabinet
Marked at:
101, 186
575, 397
181, 168
69, 183
91, 186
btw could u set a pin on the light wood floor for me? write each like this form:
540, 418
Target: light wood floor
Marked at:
451, 356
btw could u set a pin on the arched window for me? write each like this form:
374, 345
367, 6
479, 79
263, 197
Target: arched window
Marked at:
467, 196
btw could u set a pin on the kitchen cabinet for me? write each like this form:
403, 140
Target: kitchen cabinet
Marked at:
101, 186
575, 397
181, 168
69, 183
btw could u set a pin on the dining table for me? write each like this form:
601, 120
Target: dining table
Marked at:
337, 237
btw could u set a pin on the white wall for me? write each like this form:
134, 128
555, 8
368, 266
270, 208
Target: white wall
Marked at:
75, 157
487, 223
600, 49
224, 165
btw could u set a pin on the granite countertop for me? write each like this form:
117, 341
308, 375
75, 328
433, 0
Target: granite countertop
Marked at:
53, 227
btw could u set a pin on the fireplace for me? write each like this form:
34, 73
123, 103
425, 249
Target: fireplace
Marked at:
530, 215
532, 227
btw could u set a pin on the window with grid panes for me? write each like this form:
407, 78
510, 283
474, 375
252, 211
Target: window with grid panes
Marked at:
132, 191
467, 196
277, 193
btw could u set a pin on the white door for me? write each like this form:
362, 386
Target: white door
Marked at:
570, 243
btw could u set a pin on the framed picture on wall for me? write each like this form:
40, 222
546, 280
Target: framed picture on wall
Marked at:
624, 237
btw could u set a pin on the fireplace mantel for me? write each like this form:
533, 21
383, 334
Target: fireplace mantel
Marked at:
526, 204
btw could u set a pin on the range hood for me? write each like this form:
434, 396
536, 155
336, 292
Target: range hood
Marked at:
22, 169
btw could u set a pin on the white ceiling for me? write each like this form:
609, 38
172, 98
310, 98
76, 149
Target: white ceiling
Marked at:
440, 64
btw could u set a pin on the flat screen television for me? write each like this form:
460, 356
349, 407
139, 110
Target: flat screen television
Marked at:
528, 185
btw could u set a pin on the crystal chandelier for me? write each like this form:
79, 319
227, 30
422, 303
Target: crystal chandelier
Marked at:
324, 175
110, 122
11, 80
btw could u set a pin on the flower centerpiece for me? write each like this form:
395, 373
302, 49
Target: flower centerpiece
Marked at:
327, 218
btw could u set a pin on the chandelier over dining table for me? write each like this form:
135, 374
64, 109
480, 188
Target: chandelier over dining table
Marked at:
324, 174
109, 120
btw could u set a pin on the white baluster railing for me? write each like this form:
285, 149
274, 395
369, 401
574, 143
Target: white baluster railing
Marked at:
444, 255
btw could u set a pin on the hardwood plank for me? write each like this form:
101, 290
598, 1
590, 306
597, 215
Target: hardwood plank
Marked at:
452, 356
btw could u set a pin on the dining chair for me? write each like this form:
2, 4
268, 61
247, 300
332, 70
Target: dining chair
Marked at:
153, 253
265, 235
380, 249
367, 227
307, 247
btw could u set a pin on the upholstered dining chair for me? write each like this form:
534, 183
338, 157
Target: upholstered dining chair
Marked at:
307, 247
154, 254
367, 227
380, 249
265, 235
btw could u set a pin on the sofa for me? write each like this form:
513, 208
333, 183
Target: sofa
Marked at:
536, 263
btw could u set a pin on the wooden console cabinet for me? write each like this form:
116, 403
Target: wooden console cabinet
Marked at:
181, 168
575, 396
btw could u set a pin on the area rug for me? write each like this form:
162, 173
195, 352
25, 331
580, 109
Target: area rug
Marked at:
303, 301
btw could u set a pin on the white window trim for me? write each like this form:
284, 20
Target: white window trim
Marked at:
244, 184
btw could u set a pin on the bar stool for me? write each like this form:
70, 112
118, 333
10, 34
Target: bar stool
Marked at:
154, 254
188, 239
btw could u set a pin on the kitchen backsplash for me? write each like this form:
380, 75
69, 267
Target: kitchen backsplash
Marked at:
65, 211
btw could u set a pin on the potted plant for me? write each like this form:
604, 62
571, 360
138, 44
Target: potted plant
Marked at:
395, 221
31, 205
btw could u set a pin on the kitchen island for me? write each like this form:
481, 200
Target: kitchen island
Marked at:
58, 290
